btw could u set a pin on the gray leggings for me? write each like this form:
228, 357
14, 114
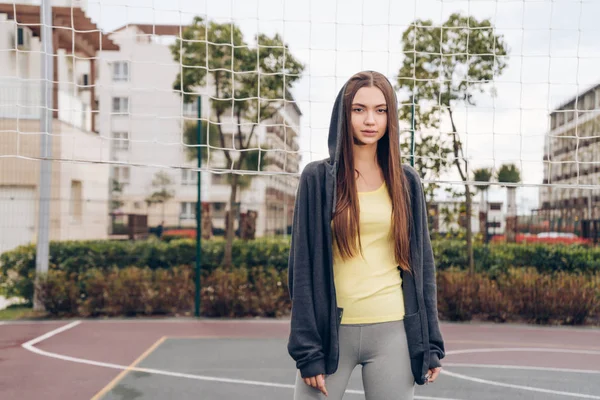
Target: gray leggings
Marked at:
382, 350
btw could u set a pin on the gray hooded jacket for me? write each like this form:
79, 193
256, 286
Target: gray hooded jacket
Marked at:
315, 319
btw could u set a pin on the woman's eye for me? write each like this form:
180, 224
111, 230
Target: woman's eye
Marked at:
380, 110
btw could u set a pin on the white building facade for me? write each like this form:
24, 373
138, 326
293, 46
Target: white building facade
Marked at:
79, 180
448, 216
144, 118
572, 158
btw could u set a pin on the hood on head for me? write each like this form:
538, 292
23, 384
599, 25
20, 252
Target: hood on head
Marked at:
335, 126
337, 122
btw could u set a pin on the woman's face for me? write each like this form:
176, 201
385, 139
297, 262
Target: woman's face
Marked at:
369, 116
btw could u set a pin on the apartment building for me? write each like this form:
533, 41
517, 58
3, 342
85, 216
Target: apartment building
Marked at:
449, 216
79, 193
572, 158
283, 165
144, 118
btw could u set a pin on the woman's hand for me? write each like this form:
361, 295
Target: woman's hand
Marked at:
318, 382
433, 374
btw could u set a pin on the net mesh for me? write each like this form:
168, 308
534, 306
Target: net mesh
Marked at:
482, 85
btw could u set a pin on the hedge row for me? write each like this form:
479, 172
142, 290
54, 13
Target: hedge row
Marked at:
498, 258
17, 267
252, 292
519, 295
152, 253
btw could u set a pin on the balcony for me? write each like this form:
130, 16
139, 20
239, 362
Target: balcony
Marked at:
74, 32
286, 138
21, 99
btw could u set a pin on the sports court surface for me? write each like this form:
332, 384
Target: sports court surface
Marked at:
247, 359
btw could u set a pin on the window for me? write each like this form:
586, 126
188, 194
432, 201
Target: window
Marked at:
120, 105
218, 210
76, 204
121, 174
495, 206
189, 177
188, 210
120, 141
121, 71
190, 109
20, 36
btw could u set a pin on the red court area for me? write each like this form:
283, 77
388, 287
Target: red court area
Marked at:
80, 359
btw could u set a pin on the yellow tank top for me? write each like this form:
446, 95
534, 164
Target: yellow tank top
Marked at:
369, 289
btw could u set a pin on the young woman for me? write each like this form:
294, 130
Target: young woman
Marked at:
361, 269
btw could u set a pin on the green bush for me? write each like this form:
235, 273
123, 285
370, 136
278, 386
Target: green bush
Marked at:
551, 298
462, 296
131, 291
17, 267
59, 293
174, 290
521, 294
134, 291
96, 259
118, 292
497, 259
239, 292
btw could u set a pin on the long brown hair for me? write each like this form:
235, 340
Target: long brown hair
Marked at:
347, 212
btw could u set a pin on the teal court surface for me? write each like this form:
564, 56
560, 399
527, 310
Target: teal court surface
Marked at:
247, 359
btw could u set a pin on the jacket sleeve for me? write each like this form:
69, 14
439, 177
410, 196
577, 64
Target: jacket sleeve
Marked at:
436, 343
305, 343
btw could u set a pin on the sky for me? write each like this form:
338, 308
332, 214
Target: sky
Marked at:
553, 55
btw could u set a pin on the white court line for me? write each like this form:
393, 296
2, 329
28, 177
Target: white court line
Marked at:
48, 335
528, 349
30, 346
519, 367
528, 388
521, 387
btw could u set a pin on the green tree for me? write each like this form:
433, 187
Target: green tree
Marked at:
510, 176
483, 175
446, 66
161, 183
431, 157
255, 159
249, 84
449, 218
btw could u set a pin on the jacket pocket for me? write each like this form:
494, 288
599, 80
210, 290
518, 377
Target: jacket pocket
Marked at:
414, 334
